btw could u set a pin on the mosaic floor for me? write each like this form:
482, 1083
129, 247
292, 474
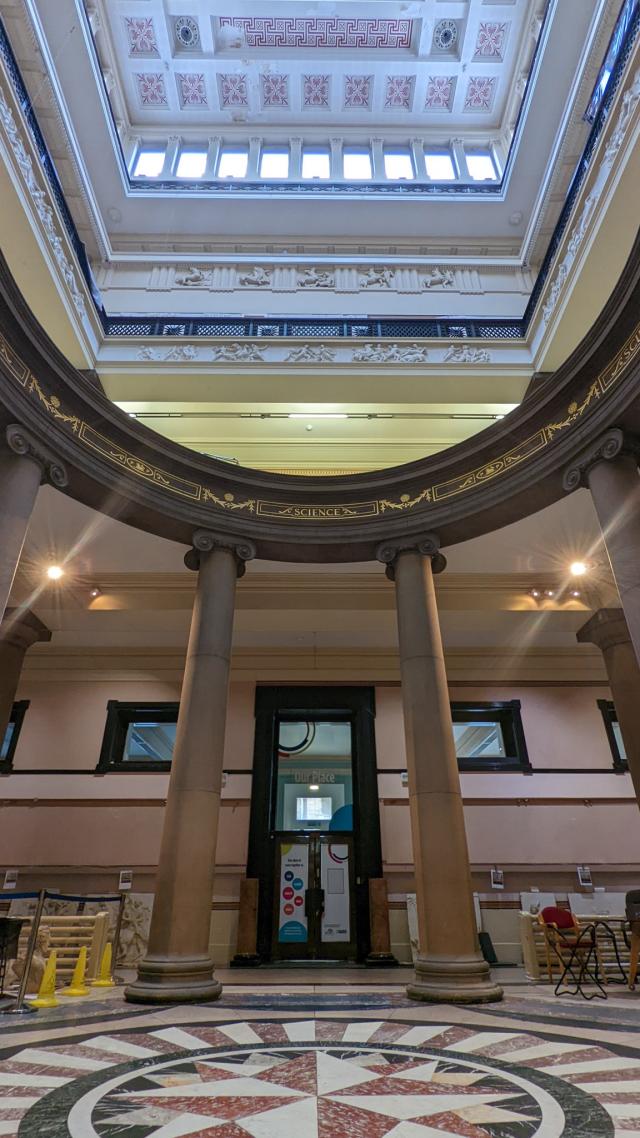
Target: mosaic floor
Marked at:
386, 1068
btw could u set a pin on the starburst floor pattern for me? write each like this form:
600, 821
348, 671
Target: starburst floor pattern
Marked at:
317, 1078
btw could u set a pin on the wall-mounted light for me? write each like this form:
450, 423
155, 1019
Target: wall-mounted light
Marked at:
95, 592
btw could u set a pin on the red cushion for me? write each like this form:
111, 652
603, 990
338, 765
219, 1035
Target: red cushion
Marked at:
560, 917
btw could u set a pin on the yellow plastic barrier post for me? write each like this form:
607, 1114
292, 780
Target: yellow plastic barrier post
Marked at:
46, 997
105, 979
77, 987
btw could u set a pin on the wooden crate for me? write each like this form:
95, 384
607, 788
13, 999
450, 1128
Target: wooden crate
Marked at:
68, 933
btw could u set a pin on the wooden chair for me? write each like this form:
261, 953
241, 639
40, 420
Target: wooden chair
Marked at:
566, 940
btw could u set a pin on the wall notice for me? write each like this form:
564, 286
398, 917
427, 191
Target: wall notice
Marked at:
294, 880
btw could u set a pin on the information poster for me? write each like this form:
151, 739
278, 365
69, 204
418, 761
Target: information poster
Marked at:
294, 878
334, 879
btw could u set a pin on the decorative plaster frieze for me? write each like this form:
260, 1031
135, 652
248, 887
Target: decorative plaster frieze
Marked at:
461, 354
625, 117
341, 278
308, 352
41, 201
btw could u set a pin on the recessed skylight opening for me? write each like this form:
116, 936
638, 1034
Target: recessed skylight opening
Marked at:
440, 167
149, 163
398, 165
316, 163
274, 163
356, 164
191, 164
233, 162
481, 166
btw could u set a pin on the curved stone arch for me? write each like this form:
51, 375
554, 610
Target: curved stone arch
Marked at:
507, 471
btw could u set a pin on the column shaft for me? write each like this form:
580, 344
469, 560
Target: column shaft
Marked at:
18, 631
20, 477
608, 629
615, 489
178, 965
450, 967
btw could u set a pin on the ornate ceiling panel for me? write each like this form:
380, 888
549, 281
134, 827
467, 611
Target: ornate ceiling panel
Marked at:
453, 62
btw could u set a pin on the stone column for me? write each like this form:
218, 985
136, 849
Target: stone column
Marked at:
19, 629
178, 966
610, 469
608, 629
450, 967
23, 466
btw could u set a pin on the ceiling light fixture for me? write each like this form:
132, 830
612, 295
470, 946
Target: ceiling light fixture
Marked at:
578, 568
55, 572
574, 593
95, 592
313, 786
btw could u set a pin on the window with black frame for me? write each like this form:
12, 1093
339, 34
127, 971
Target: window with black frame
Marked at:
138, 736
614, 734
489, 736
9, 741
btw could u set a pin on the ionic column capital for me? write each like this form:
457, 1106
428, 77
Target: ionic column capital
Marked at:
607, 628
613, 444
23, 443
205, 541
20, 628
428, 545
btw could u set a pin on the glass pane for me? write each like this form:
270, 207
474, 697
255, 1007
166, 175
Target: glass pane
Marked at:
149, 163
316, 164
150, 742
233, 163
479, 740
274, 164
315, 783
6, 742
481, 167
440, 167
398, 164
191, 164
356, 164
619, 740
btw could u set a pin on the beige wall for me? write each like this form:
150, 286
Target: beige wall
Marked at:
77, 831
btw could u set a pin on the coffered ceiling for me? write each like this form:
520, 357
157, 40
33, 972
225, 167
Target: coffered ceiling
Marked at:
446, 64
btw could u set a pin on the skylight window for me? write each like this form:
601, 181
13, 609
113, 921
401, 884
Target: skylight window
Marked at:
481, 166
398, 165
356, 164
191, 164
440, 167
274, 163
149, 163
233, 162
316, 163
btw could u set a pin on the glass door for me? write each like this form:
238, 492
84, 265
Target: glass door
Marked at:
313, 831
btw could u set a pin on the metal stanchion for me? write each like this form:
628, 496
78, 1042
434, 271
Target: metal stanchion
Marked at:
116, 938
20, 1008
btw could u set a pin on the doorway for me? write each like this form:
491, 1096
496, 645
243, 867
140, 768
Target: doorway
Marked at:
315, 832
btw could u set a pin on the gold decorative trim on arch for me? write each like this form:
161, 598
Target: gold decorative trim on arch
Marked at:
331, 511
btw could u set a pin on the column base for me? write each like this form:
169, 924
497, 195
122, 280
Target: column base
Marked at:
174, 980
454, 980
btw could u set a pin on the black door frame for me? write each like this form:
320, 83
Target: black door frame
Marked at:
357, 705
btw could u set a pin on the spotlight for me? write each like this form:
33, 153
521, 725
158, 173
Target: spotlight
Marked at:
549, 592
578, 568
55, 572
535, 593
94, 592
575, 593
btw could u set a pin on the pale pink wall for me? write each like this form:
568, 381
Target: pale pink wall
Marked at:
563, 726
